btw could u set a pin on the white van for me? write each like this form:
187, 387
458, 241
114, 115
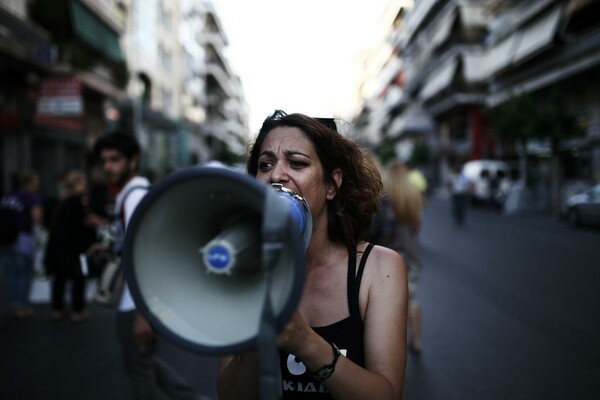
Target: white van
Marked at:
491, 180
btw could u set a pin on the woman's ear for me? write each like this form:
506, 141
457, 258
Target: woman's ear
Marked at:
337, 178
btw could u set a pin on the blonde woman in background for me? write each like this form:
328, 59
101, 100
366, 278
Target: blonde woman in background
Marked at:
402, 211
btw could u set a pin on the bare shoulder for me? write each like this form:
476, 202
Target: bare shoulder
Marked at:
384, 268
385, 260
384, 290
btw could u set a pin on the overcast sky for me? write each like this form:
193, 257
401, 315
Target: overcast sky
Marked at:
298, 55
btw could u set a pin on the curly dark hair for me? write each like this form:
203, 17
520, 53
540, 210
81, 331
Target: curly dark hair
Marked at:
121, 141
357, 199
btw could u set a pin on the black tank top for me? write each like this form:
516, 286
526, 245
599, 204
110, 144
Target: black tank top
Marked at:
347, 334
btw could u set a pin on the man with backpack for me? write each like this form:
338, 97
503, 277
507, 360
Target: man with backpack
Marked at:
20, 211
119, 156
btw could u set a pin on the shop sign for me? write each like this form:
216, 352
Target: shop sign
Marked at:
60, 97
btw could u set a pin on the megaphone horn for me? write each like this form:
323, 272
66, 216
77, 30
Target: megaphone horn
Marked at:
194, 257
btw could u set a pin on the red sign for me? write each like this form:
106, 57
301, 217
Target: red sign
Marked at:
60, 104
60, 97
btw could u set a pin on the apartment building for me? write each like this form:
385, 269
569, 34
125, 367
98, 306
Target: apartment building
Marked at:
214, 91
74, 69
454, 61
536, 47
60, 60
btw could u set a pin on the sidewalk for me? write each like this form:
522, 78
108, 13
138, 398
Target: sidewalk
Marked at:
67, 360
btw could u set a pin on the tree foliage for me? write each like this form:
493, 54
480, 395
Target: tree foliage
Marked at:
523, 117
420, 153
385, 152
515, 119
555, 121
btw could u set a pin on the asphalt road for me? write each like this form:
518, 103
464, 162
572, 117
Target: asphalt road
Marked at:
511, 310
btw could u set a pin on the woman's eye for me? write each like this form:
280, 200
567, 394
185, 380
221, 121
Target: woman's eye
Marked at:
264, 165
298, 164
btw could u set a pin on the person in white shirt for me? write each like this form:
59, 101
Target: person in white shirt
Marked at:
119, 155
460, 189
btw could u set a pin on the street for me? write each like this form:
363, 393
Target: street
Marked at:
510, 311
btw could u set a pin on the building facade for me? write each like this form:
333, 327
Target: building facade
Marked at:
214, 97
60, 61
74, 69
454, 62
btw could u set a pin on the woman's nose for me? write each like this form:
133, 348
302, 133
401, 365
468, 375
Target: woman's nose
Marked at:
279, 173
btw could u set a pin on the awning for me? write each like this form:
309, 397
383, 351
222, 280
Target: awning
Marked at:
439, 79
395, 128
418, 122
473, 15
416, 16
537, 35
217, 78
515, 48
546, 78
443, 29
475, 66
499, 56
388, 75
100, 85
412, 121
89, 28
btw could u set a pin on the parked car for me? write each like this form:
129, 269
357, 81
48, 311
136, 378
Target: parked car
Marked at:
491, 180
584, 208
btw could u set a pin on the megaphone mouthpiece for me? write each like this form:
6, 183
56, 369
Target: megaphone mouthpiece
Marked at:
299, 212
237, 246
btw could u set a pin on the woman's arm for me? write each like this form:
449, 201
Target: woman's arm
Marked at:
383, 301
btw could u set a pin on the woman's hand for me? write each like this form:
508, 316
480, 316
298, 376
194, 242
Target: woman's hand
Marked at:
299, 339
294, 334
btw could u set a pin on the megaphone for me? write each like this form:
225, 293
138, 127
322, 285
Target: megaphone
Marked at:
203, 250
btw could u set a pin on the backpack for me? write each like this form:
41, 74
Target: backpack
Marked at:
10, 206
111, 278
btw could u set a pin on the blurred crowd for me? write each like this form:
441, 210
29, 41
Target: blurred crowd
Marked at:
50, 238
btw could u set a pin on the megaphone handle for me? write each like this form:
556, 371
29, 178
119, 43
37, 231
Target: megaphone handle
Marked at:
274, 227
269, 373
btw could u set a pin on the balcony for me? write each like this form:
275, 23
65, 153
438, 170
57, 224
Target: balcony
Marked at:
217, 78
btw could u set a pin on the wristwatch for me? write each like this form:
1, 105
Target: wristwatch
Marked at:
326, 371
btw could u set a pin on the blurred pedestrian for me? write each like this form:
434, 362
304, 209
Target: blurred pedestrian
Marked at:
402, 209
18, 255
416, 177
51, 201
119, 156
460, 189
72, 233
